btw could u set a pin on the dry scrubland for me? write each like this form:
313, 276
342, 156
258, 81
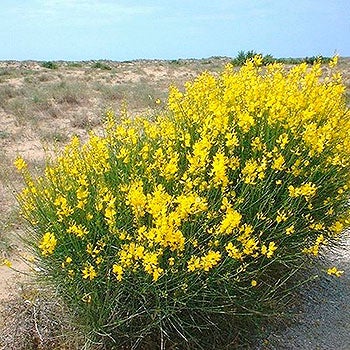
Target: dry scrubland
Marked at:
41, 109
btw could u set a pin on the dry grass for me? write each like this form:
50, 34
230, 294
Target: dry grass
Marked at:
35, 319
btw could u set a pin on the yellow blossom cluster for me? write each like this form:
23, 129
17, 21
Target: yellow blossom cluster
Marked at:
48, 243
333, 271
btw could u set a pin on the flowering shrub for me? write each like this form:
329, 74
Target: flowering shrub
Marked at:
174, 229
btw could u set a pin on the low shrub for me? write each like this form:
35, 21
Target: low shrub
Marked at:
243, 56
307, 60
101, 65
178, 231
49, 65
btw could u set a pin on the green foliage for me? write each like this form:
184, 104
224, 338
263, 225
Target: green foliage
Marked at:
307, 60
75, 64
175, 62
243, 56
101, 65
49, 65
4, 134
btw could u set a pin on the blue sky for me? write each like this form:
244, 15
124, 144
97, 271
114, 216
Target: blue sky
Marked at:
131, 29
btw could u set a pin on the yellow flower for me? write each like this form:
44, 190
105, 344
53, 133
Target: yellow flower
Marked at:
118, 270
337, 227
110, 212
158, 201
254, 283
219, 170
98, 260
307, 190
272, 248
171, 261
82, 193
278, 163
156, 273
315, 248
334, 61
281, 216
86, 298
231, 140
333, 271
209, 260
205, 262
198, 159
194, 263
254, 169
290, 230
20, 164
268, 251
150, 264
89, 272
63, 209
245, 121
190, 204
257, 144
7, 263
282, 140
231, 221
233, 251
48, 244
78, 230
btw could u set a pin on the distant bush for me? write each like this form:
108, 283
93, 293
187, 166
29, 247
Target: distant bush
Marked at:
49, 65
101, 65
243, 56
175, 62
307, 60
74, 64
181, 231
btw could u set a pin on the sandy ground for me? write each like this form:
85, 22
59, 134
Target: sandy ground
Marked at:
322, 320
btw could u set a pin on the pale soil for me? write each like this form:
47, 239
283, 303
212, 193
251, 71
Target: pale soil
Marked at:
322, 320
11, 280
40, 108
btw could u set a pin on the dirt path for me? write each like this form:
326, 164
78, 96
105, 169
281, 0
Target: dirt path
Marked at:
323, 322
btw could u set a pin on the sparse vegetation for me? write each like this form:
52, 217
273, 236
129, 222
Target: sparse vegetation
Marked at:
4, 134
36, 319
74, 64
53, 136
49, 65
101, 65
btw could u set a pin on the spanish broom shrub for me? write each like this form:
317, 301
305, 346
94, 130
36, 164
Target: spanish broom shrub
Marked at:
174, 231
